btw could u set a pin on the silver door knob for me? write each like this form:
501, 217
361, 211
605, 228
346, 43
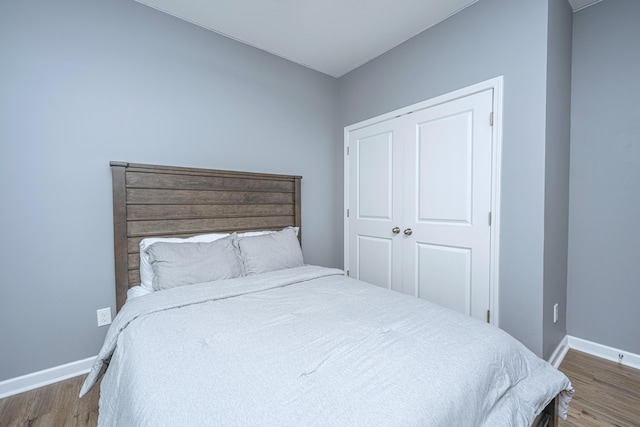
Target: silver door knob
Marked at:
408, 232
396, 230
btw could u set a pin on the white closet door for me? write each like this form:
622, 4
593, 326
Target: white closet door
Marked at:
375, 204
447, 201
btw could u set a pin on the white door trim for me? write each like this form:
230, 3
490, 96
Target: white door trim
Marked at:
496, 84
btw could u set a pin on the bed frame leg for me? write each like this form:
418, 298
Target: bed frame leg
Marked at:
549, 416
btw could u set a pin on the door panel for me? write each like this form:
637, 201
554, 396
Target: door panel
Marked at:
374, 181
375, 248
443, 274
444, 149
375, 201
447, 204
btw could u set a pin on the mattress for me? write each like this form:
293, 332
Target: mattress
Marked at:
310, 346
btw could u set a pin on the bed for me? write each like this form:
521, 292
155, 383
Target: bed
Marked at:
258, 337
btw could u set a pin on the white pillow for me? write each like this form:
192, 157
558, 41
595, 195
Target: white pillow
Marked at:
136, 291
262, 233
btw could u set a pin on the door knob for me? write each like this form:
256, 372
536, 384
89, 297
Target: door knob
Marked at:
408, 232
396, 230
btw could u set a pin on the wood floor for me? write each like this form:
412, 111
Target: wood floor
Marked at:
55, 405
607, 394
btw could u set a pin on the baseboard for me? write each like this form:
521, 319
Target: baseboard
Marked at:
560, 352
604, 352
41, 378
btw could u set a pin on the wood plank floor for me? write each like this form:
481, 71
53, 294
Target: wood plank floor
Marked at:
607, 394
55, 405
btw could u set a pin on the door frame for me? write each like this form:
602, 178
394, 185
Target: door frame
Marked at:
495, 84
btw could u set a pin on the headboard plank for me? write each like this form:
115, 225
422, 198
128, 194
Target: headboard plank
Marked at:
199, 197
201, 182
148, 212
168, 201
200, 226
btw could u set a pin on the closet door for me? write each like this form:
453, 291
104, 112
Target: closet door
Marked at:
375, 204
447, 203
419, 193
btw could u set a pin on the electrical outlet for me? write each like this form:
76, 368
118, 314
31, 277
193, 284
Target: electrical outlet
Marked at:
104, 316
555, 313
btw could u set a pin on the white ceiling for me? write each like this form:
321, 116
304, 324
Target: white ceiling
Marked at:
330, 36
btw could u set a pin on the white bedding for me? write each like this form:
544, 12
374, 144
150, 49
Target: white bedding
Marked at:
308, 346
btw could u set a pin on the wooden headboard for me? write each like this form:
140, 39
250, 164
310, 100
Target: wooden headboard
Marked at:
165, 201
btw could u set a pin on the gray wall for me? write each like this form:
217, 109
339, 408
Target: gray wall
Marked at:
86, 82
486, 40
83, 83
604, 232
556, 192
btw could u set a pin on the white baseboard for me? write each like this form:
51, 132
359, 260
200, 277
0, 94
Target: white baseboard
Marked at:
41, 378
604, 352
560, 352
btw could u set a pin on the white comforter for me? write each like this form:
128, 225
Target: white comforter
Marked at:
308, 346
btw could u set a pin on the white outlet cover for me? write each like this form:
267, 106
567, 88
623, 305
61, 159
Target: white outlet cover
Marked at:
104, 316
